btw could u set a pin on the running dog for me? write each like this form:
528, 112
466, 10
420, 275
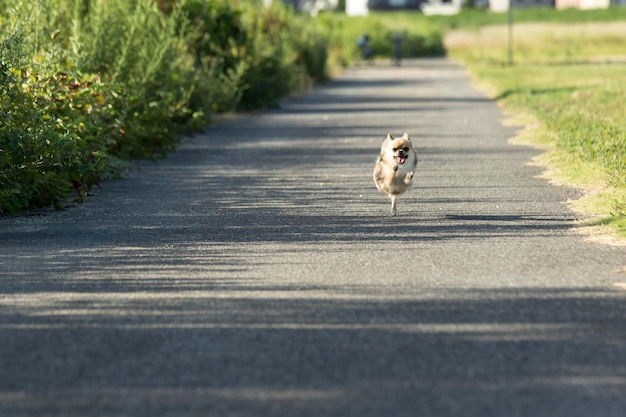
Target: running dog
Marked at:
395, 167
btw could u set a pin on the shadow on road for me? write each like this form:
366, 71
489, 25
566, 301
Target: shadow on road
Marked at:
296, 351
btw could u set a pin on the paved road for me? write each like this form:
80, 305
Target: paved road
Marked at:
256, 272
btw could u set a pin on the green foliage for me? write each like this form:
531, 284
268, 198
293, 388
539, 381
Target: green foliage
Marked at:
87, 84
53, 130
132, 44
216, 42
257, 55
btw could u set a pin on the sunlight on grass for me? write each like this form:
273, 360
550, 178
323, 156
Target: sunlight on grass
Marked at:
540, 43
568, 88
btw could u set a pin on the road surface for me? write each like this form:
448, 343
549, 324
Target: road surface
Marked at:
257, 272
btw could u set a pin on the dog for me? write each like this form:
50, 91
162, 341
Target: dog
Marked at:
395, 167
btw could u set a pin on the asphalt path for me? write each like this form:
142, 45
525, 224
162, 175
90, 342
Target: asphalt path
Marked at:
257, 272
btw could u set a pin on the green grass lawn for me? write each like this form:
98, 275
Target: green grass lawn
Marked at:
567, 86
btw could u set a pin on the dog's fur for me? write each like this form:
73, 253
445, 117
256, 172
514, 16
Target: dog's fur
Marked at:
395, 167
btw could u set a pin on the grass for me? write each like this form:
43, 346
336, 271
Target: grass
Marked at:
476, 19
540, 43
568, 83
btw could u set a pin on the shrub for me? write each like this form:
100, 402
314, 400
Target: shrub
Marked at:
252, 55
88, 84
216, 41
53, 130
134, 45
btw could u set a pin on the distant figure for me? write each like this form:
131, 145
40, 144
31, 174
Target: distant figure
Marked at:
366, 49
397, 50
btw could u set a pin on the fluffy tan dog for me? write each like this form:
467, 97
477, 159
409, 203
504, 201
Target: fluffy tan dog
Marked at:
395, 167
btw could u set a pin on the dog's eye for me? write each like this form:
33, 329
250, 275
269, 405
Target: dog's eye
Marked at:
405, 149
395, 149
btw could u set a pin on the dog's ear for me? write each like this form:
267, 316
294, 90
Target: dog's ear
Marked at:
406, 136
389, 137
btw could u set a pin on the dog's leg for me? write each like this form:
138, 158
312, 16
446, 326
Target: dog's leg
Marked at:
408, 178
394, 198
378, 176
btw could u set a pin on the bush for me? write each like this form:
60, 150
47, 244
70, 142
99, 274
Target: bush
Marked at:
97, 82
256, 55
132, 44
216, 41
54, 128
75, 104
